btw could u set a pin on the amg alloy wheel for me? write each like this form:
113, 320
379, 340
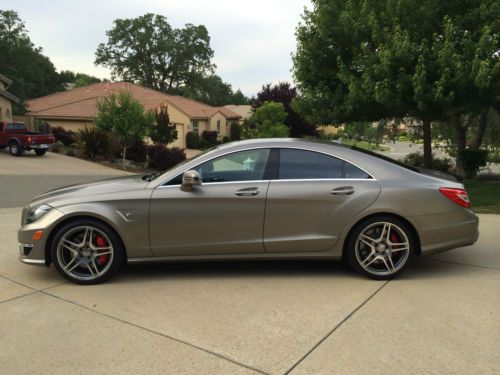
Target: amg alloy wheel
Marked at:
381, 247
86, 252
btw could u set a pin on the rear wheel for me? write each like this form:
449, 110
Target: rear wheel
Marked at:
381, 247
40, 152
15, 148
87, 252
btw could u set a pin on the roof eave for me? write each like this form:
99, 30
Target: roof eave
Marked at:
9, 96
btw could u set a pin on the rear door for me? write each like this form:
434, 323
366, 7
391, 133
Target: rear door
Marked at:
312, 199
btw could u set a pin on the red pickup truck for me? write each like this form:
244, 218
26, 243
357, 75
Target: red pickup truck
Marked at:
15, 136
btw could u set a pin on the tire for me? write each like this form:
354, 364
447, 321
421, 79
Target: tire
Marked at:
2, 147
15, 148
40, 152
78, 261
381, 247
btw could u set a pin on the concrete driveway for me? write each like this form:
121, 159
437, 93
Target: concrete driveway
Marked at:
441, 317
23, 177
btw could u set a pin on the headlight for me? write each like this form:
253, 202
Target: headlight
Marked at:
36, 213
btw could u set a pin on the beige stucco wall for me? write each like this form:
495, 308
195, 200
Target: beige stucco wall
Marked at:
5, 109
224, 129
73, 125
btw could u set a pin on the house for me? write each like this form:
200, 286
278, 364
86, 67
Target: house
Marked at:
76, 108
6, 99
245, 111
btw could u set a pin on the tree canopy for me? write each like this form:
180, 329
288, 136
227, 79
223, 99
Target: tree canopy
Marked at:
32, 73
163, 131
211, 90
285, 94
124, 117
270, 118
370, 59
148, 50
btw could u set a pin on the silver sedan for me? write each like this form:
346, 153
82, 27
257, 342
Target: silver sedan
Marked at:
255, 199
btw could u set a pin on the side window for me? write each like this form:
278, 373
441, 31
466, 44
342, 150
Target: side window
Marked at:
302, 164
239, 166
351, 171
308, 165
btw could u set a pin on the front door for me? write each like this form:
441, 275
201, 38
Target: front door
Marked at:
225, 215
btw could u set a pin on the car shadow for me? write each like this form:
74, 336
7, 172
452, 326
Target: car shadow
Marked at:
232, 269
421, 268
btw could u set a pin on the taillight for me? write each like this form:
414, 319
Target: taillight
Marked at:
459, 196
29, 139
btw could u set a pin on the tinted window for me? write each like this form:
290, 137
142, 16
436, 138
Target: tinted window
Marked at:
301, 164
238, 166
351, 171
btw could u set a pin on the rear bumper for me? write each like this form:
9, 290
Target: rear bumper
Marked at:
447, 231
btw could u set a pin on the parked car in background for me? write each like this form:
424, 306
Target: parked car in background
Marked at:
18, 139
254, 199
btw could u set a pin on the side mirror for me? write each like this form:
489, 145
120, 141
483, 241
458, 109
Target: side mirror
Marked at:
189, 179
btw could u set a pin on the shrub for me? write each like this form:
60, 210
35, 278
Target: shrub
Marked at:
70, 152
161, 157
416, 159
210, 136
67, 137
95, 143
472, 161
192, 140
57, 147
225, 139
205, 145
235, 131
137, 152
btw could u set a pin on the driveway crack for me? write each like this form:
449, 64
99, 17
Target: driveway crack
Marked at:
336, 327
180, 341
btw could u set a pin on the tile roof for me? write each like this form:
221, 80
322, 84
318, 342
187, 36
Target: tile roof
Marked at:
82, 102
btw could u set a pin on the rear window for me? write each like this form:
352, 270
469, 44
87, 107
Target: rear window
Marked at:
16, 126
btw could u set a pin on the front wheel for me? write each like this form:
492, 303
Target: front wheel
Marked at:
381, 247
87, 252
40, 152
15, 148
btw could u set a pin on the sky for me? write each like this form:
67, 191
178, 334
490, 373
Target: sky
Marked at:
252, 39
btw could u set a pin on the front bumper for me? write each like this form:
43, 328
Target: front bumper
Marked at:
32, 251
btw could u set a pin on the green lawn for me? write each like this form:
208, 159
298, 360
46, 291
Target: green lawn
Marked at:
364, 145
484, 196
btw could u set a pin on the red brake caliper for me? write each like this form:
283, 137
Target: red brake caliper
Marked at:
101, 242
394, 239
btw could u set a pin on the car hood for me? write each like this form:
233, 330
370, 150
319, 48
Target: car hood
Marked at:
88, 191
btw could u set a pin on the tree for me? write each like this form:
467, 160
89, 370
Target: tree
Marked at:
270, 118
284, 93
368, 60
148, 50
124, 117
163, 131
32, 73
78, 79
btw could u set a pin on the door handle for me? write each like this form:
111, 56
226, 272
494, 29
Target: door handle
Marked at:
247, 192
343, 190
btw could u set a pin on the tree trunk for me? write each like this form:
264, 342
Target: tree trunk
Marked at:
426, 125
461, 141
124, 153
481, 130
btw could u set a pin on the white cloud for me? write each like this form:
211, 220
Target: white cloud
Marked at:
252, 40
